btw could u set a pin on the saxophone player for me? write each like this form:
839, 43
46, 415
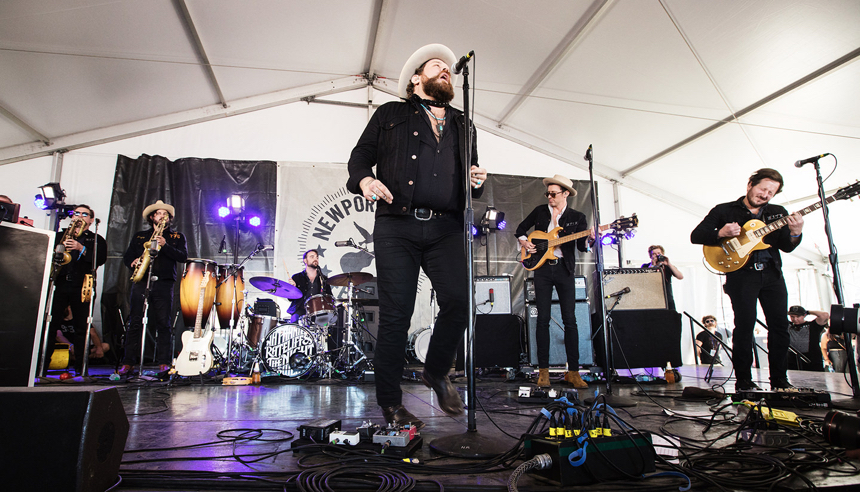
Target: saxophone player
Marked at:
75, 258
171, 249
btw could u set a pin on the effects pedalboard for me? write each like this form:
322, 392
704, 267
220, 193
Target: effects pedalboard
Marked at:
798, 398
395, 440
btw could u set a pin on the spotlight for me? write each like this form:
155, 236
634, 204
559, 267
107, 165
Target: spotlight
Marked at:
502, 225
844, 319
236, 204
51, 196
608, 239
475, 231
223, 211
492, 218
255, 221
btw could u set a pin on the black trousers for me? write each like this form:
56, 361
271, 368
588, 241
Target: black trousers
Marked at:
747, 288
160, 307
545, 278
405, 245
68, 294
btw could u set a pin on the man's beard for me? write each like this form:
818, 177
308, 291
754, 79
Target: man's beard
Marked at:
438, 90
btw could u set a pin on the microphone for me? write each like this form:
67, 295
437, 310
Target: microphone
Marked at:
492, 297
463, 61
588, 154
341, 244
266, 247
809, 160
625, 290
223, 247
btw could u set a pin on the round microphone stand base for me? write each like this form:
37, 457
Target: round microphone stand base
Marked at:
469, 444
846, 404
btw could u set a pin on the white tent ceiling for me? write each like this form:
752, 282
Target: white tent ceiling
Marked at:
681, 99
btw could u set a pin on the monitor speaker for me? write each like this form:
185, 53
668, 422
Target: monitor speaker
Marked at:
647, 290
498, 341
61, 439
643, 338
557, 354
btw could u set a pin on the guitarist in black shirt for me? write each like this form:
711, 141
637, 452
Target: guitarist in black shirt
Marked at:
558, 273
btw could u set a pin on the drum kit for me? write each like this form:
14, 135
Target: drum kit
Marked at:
317, 344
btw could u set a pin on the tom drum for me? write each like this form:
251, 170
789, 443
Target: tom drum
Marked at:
258, 329
419, 342
320, 310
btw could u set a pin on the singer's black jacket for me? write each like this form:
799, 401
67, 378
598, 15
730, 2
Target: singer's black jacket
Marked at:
164, 267
571, 221
82, 262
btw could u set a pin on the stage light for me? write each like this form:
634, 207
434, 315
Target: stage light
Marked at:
223, 211
502, 225
844, 319
492, 218
629, 233
51, 196
475, 231
608, 240
236, 204
255, 221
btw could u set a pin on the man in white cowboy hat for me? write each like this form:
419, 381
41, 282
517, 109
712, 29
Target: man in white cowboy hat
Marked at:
418, 188
172, 249
558, 273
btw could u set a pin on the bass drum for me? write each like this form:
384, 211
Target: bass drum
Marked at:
189, 290
224, 296
290, 350
419, 342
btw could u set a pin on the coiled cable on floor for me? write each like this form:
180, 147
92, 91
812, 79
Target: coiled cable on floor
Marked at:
539, 462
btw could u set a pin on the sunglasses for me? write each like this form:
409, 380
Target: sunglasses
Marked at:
710, 321
82, 214
552, 194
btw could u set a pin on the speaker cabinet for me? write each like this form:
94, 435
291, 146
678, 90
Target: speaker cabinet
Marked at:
647, 290
557, 354
61, 439
501, 287
498, 341
25, 265
643, 338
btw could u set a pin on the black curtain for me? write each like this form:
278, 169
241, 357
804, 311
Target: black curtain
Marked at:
195, 187
517, 196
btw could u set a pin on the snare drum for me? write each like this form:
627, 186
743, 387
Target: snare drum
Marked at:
190, 290
258, 329
224, 295
320, 310
419, 342
290, 350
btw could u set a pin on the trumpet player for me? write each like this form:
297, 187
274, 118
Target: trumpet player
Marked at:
74, 245
170, 246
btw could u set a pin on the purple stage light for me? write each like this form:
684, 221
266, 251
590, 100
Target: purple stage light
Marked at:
475, 230
607, 239
39, 202
502, 225
255, 221
223, 211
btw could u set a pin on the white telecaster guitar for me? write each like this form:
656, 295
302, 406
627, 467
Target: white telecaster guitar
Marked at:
196, 355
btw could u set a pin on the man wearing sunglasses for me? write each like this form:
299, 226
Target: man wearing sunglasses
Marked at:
69, 280
557, 273
705, 343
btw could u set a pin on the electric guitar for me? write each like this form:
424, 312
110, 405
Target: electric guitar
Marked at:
196, 355
733, 252
545, 242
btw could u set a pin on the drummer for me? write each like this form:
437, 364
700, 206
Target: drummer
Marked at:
172, 250
310, 281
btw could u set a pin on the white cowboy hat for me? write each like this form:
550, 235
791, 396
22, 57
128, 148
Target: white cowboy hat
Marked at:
159, 205
420, 57
560, 180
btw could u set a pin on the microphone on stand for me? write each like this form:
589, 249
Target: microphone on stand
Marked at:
588, 156
223, 247
625, 290
341, 244
463, 61
803, 162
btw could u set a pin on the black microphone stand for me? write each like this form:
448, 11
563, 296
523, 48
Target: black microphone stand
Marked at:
144, 321
604, 320
469, 444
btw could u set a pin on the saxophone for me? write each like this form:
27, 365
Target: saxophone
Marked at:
74, 231
143, 263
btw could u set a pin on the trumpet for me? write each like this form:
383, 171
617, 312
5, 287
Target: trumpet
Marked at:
143, 261
75, 229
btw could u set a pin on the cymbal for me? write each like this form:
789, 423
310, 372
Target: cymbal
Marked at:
357, 278
280, 288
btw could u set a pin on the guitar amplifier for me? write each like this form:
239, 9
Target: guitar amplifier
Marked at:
647, 290
581, 291
501, 287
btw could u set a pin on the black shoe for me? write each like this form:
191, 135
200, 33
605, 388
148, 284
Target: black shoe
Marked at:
449, 399
398, 414
782, 384
745, 385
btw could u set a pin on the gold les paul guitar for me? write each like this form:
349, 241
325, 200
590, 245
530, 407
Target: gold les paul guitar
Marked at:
545, 242
733, 253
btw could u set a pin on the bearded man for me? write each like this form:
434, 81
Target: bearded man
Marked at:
418, 149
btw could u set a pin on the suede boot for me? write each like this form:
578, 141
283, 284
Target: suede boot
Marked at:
543, 378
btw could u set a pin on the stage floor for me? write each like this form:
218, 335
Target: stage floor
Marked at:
188, 435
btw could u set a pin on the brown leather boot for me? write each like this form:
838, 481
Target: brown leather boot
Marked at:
543, 378
572, 377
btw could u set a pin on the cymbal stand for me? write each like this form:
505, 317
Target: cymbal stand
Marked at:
349, 333
228, 273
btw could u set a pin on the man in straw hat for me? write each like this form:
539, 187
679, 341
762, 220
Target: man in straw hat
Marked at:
558, 273
418, 148
172, 250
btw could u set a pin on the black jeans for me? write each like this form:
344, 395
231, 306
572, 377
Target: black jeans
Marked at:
546, 277
403, 246
746, 288
160, 307
68, 294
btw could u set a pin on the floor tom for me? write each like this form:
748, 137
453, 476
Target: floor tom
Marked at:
418, 344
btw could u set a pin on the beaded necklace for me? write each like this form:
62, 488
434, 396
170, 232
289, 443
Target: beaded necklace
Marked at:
440, 122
